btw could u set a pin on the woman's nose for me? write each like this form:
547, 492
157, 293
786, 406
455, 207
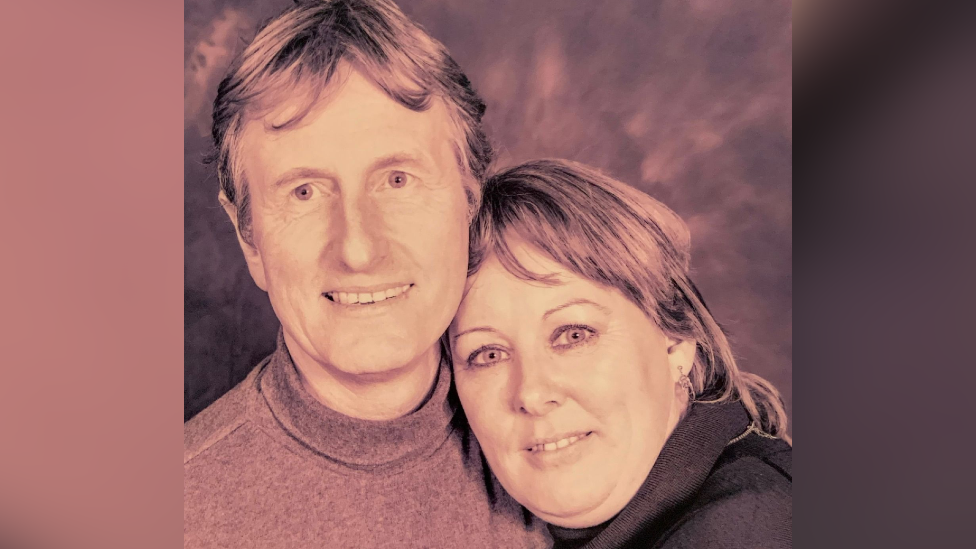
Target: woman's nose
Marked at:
536, 392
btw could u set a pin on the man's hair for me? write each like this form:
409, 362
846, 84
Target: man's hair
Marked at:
612, 234
298, 53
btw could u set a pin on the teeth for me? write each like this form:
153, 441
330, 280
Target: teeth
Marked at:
559, 444
346, 298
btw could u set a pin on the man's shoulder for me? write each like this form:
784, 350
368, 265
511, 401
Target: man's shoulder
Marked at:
221, 418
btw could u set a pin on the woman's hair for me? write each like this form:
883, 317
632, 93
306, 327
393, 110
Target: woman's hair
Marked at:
296, 56
612, 234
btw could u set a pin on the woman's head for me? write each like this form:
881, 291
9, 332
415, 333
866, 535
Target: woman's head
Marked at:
578, 322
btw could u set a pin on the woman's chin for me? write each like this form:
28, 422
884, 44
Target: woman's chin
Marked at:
573, 506
576, 516
578, 498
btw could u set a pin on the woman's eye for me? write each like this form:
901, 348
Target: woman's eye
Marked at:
397, 179
487, 357
303, 192
571, 336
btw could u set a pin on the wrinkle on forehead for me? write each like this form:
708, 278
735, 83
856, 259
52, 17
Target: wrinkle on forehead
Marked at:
293, 101
363, 109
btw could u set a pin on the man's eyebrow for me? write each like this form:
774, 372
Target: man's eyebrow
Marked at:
475, 329
573, 302
302, 173
395, 159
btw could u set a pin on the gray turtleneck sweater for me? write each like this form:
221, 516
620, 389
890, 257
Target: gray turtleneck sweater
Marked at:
269, 466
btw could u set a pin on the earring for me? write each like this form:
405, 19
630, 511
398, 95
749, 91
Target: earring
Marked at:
685, 382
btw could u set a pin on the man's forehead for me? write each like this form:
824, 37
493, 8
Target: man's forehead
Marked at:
351, 126
353, 120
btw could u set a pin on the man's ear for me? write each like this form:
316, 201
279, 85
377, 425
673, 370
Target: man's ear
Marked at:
681, 352
251, 254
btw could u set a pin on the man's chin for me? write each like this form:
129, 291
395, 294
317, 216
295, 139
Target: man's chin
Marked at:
369, 372
375, 361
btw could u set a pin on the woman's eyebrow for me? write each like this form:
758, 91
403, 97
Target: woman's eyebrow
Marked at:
573, 302
475, 329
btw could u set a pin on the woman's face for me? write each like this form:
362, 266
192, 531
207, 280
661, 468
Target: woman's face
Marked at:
570, 388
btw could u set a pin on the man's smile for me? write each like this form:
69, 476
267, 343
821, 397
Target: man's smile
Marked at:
366, 297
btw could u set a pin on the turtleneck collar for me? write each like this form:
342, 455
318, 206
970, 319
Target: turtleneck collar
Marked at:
355, 443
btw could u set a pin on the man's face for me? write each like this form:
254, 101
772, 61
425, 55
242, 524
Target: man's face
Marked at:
360, 231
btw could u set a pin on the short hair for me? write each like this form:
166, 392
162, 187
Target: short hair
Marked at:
300, 51
610, 233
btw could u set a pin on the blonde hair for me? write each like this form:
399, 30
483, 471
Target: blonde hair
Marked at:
299, 52
610, 233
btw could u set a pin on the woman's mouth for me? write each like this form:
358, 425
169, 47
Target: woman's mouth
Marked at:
558, 444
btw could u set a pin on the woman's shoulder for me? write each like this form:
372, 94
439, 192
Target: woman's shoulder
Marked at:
746, 500
758, 453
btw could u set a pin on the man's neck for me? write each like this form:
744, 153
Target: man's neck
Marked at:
376, 397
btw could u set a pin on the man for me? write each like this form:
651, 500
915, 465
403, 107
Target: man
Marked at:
350, 152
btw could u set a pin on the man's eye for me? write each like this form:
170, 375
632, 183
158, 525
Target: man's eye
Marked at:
486, 357
571, 336
397, 179
303, 192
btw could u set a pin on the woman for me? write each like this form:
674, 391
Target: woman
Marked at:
604, 395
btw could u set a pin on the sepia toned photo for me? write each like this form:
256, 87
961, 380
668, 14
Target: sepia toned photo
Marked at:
488, 274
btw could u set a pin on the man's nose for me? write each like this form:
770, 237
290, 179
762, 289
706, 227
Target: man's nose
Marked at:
361, 242
536, 391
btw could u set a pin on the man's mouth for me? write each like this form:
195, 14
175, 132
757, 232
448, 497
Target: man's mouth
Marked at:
366, 298
558, 444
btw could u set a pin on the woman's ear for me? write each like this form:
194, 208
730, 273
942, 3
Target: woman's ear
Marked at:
681, 352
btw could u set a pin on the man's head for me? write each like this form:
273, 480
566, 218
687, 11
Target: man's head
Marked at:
350, 154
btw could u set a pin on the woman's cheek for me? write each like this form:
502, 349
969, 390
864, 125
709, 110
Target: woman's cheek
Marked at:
484, 405
472, 394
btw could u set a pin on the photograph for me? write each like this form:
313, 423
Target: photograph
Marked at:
507, 274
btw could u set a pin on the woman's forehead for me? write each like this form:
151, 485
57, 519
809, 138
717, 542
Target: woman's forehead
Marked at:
496, 291
527, 265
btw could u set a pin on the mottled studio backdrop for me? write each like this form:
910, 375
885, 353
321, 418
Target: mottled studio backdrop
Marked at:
690, 101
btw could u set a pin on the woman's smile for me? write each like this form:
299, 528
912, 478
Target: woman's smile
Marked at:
561, 453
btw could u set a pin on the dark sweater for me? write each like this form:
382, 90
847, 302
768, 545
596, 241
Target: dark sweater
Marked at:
705, 492
268, 466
